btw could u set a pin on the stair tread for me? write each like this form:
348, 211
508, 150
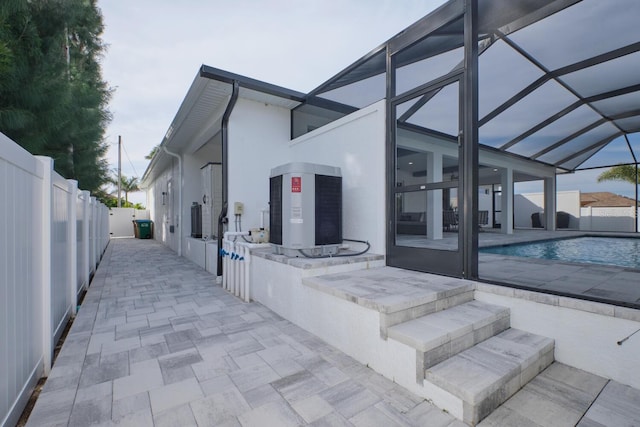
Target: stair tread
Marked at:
388, 289
433, 330
475, 373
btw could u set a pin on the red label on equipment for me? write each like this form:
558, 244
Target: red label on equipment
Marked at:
296, 184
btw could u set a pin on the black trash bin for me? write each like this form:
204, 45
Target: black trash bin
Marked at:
144, 228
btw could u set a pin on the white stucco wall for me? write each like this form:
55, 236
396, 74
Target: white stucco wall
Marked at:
163, 209
585, 340
356, 144
259, 137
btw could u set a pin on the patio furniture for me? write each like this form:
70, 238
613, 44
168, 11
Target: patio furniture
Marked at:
483, 219
562, 219
449, 220
536, 219
412, 223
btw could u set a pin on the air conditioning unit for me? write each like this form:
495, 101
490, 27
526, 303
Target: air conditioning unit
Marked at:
305, 209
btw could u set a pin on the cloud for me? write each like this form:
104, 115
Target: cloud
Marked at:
155, 48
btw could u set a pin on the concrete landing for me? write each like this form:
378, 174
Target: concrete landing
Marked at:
617, 405
389, 289
399, 295
560, 396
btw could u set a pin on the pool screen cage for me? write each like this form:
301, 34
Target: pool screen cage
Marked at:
554, 83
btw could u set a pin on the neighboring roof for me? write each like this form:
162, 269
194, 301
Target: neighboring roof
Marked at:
199, 116
604, 199
558, 79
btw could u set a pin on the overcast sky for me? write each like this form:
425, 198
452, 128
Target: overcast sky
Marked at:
155, 48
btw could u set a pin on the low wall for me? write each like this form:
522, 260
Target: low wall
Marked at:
352, 328
585, 333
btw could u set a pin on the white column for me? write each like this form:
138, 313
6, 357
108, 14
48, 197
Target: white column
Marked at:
506, 199
72, 238
550, 203
434, 198
45, 245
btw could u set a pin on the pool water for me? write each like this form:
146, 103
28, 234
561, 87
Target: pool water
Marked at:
620, 251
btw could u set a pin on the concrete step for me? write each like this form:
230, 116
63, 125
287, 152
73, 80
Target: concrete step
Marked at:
399, 295
473, 383
441, 335
559, 396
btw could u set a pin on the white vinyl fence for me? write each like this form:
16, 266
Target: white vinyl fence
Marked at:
52, 237
121, 221
608, 219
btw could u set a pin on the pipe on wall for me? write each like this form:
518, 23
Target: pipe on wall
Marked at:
179, 221
224, 130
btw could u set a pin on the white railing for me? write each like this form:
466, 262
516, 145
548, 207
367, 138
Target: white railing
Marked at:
236, 259
51, 239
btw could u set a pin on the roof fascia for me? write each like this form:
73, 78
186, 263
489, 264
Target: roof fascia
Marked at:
249, 83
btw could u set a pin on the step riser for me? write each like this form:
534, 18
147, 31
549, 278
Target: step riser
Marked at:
425, 360
505, 374
473, 414
388, 320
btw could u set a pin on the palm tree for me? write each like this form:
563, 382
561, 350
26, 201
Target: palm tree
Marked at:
152, 153
128, 185
626, 173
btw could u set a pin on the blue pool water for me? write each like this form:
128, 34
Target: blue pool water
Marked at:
620, 251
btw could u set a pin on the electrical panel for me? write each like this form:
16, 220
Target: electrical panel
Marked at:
305, 209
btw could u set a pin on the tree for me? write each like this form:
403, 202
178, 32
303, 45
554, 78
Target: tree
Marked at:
127, 185
53, 100
626, 173
152, 153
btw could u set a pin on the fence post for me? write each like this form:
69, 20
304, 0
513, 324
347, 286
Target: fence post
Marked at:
94, 234
72, 238
86, 270
45, 245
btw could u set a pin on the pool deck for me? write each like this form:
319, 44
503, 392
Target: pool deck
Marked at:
601, 283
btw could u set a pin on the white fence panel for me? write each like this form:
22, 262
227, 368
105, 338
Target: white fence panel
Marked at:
44, 261
21, 314
120, 220
608, 219
61, 254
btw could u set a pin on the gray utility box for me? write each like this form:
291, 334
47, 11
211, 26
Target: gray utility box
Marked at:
305, 209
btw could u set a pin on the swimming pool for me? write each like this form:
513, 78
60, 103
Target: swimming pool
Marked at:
620, 251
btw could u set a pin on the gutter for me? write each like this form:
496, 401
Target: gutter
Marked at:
224, 130
179, 222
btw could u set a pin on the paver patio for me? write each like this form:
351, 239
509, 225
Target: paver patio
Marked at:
157, 342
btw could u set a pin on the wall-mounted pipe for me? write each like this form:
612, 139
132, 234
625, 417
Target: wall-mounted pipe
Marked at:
179, 221
224, 131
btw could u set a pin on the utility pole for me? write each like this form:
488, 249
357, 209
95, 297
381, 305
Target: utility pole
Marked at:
119, 169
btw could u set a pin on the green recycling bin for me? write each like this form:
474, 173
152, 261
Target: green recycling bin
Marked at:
145, 228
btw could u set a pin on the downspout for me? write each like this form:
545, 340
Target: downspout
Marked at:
179, 198
224, 133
